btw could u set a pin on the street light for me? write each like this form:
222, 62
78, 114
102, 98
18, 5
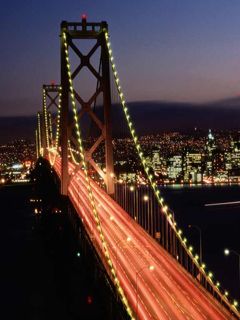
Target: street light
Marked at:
200, 239
148, 200
144, 218
150, 268
145, 198
227, 253
132, 190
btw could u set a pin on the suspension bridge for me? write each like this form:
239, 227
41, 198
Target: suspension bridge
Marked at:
154, 271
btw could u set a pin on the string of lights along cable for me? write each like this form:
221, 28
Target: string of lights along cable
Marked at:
39, 138
152, 279
45, 114
37, 144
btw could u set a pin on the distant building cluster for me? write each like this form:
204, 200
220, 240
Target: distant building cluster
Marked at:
16, 159
213, 165
182, 158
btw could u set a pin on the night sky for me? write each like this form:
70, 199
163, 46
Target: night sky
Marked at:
174, 50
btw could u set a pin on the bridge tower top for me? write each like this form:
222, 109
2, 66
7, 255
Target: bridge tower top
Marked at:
84, 29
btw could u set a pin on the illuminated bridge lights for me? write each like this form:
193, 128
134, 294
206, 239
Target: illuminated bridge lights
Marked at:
190, 249
196, 257
210, 275
39, 133
45, 118
90, 192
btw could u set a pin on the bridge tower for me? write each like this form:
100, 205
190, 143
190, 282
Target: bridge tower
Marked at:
75, 33
50, 105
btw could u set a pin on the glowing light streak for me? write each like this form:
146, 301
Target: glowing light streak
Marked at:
221, 204
168, 293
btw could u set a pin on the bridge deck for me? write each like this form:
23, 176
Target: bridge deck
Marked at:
168, 291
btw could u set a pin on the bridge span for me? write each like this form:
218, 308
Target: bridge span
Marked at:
155, 284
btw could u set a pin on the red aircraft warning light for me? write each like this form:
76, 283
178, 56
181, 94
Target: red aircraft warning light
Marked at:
84, 17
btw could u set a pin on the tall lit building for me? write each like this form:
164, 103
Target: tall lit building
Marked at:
210, 149
159, 163
156, 163
174, 168
219, 172
232, 161
192, 167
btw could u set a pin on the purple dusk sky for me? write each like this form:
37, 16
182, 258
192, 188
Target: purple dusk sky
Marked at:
177, 50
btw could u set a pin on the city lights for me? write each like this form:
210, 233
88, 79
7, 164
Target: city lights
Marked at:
16, 160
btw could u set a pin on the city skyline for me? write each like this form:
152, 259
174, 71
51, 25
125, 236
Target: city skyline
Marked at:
192, 55
175, 158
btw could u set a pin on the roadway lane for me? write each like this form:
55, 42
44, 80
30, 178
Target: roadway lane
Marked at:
168, 291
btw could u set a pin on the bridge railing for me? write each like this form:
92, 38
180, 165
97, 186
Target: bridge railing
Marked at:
141, 204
